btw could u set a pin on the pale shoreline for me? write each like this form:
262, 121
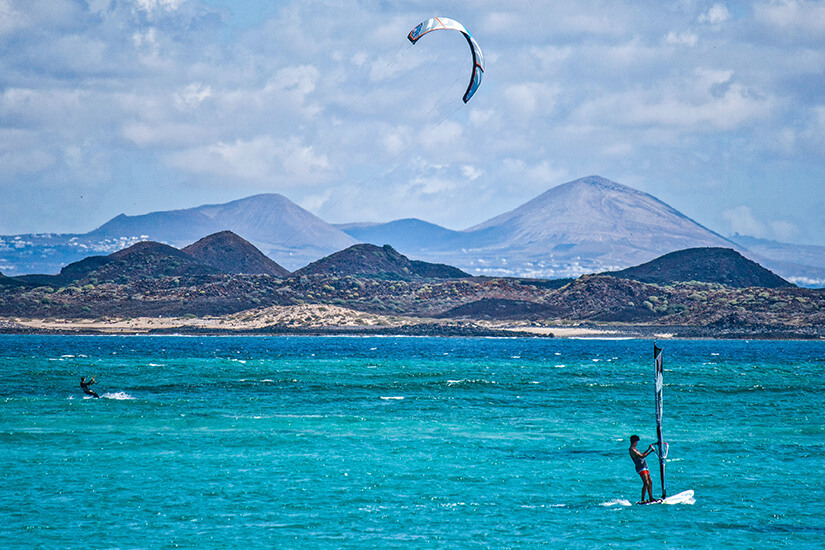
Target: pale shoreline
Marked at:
307, 318
319, 319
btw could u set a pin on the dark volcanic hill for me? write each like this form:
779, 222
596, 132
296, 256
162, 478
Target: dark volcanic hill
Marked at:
229, 253
144, 260
379, 262
148, 260
707, 265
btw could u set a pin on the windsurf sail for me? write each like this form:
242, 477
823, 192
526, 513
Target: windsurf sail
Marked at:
660, 443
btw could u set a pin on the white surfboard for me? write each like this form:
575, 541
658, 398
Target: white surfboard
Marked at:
685, 497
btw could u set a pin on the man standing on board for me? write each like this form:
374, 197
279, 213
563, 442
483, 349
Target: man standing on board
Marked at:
641, 467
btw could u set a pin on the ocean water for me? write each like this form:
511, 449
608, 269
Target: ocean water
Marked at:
343, 442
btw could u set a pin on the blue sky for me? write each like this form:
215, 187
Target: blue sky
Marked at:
717, 108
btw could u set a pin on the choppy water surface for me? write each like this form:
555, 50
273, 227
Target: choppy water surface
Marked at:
313, 442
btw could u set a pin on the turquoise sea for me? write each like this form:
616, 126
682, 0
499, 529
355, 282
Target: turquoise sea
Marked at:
399, 442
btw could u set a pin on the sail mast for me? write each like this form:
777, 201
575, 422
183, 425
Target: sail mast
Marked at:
662, 449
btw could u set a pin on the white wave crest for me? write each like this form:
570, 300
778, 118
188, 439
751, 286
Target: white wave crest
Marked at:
616, 502
119, 395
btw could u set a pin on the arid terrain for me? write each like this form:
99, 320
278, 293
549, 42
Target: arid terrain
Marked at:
151, 287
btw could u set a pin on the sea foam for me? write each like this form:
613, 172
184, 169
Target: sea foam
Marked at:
119, 395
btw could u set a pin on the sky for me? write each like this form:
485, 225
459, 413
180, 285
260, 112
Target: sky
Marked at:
134, 106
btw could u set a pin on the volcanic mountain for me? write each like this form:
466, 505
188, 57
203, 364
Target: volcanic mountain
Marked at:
587, 225
272, 223
229, 253
707, 265
380, 262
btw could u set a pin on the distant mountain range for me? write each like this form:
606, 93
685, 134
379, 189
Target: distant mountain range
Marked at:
694, 292
585, 226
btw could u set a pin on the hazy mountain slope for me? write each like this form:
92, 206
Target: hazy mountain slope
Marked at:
282, 230
278, 226
584, 226
801, 264
601, 218
174, 226
407, 234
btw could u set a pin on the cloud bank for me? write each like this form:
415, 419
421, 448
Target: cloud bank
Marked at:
108, 107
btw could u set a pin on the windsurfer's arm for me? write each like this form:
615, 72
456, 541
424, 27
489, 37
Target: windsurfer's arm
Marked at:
648, 451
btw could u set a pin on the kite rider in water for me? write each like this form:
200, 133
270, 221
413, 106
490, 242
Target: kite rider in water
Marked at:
641, 468
85, 386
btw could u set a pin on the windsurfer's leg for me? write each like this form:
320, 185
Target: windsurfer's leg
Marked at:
647, 486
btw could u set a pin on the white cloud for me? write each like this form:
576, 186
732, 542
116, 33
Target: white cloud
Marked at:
19, 153
471, 172
442, 136
682, 39
261, 160
10, 18
798, 17
531, 99
742, 220
163, 133
289, 99
707, 100
535, 177
192, 96
152, 6
718, 13
784, 231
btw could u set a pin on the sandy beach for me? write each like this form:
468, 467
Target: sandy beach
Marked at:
306, 316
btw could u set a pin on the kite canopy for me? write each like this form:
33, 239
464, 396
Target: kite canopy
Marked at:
444, 23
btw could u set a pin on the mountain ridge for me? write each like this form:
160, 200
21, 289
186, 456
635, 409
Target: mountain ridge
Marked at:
589, 225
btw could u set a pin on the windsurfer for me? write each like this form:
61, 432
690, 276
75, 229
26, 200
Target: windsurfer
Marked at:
641, 467
85, 386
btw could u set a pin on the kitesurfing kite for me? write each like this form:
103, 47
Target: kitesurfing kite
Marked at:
444, 23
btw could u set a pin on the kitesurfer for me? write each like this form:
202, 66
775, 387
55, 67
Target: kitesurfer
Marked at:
85, 386
641, 468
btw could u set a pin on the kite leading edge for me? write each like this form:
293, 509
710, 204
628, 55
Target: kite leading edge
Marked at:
443, 23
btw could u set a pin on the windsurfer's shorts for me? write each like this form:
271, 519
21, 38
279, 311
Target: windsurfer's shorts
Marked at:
643, 472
